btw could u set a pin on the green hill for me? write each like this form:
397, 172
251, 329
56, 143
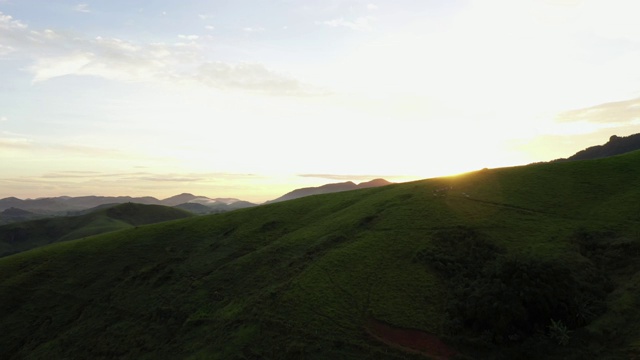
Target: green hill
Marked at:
27, 235
539, 261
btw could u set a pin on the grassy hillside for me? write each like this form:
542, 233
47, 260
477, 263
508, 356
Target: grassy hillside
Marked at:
538, 262
31, 234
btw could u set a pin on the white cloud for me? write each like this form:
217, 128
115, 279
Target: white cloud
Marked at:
253, 29
7, 22
189, 37
247, 76
84, 8
55, 54
3, 118
359, 24
4, 49
14, 141
372, 7
209, 27
45, 69
619, 112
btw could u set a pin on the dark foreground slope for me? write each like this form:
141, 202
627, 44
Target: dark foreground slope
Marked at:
27, 235
535, 262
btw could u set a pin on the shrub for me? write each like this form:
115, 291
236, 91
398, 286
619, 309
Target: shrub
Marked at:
559, 332
511, 297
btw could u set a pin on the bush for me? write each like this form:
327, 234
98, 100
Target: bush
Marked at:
559, 332
510, 298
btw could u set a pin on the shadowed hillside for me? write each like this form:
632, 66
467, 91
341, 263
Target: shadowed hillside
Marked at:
30, 234
615, 146
532, 262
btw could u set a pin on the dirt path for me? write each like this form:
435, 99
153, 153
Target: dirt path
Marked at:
410, 340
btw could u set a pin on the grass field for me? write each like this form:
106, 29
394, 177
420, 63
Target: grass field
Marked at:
484, 261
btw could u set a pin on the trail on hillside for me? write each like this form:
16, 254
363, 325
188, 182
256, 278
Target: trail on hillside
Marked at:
411, 340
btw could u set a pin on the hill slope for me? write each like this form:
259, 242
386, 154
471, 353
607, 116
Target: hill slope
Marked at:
538, 262
616, 145
30, 234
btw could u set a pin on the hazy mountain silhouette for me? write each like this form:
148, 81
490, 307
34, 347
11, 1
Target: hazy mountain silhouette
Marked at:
194, 208
67, 205
215, 206
181, 199
12, 214
62, 204
21, 236
615, 146
330, 188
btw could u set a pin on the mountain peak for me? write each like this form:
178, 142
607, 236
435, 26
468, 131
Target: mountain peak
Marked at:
330, 188
374, 183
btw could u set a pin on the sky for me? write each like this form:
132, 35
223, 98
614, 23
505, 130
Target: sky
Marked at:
254, 98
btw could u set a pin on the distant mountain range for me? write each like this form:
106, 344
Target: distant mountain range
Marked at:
25, 224
330, 188
25, 235
616, 145
13, 209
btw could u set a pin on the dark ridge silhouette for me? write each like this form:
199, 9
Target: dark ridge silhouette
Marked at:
15, 212
72, 206
63, 204
179, 199
616, 145
22, 236
221, 206
329, 188
373, 183
195, 208
214, 207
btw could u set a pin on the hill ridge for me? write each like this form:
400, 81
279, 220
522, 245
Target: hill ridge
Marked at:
616, 145
26, 235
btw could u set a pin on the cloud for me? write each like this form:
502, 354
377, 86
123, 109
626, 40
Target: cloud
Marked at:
84, 8
7, 22
74, 175
46, 69
3, 118
145, 176
359, 24
210, 27
372, 7
189, 37
55, 54
619, 112
253, 29
4, 49
171, 178
15, 141
250, 76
